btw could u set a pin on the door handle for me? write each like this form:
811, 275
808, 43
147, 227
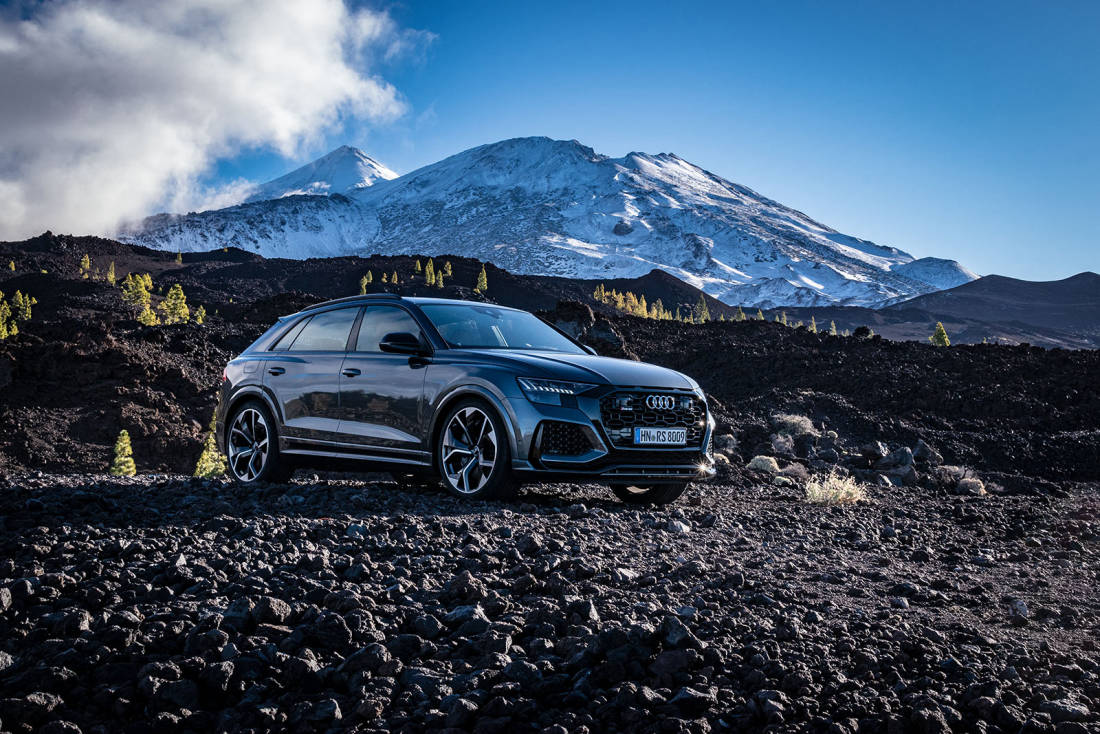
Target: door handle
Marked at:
350, 372
276, 370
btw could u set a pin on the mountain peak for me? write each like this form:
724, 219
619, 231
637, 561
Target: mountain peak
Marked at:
340, 171
557, 207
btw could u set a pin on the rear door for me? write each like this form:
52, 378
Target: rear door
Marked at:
381, 394
303, 371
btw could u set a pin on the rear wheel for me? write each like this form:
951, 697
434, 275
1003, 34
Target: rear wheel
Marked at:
252, 446
472, 453
653, 494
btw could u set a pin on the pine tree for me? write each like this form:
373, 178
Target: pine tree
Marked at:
439, 279
813, 325
385, 278
200, 315
147, 317
179, 258
393, 277
147, 280
600, 294
363, 285
211, 462
418, 265
5, 314
20, 308
482, 281
447, 271
11, 265
702, 313
174, 306
134, 290
370, 277
939, 336
759, 315
832, 328
123, 464
740, 314
85, 265
783, 318
429, 273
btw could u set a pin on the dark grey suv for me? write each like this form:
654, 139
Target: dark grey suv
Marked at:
480, 396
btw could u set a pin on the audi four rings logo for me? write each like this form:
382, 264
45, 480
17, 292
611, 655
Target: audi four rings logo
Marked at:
660, 402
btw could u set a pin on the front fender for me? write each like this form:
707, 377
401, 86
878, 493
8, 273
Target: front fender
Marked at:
484, 390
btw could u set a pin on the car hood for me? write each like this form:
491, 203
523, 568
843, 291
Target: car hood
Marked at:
586, 368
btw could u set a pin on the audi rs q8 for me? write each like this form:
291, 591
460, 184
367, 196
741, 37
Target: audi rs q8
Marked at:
481, 396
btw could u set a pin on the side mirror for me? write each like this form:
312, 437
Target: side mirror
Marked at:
401, 342
590, 350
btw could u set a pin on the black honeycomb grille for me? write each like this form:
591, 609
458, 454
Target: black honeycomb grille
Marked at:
563, 439
623, 411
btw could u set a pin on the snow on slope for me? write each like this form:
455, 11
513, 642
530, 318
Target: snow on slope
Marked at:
341, 171
541, 206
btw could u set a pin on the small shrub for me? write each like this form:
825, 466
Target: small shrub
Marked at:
794, 470
482, 284
834, 489
764, 464
782, 444
793, 425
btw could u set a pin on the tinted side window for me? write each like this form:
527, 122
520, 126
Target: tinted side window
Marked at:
381, 320
326, 332
288, 338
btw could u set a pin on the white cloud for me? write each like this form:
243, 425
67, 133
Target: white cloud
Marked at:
111, 108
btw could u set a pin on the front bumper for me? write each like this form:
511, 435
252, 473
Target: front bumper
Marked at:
604, 461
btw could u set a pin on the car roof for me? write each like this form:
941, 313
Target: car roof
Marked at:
390, 298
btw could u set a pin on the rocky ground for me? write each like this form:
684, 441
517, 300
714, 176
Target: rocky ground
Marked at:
341, 604
959, 595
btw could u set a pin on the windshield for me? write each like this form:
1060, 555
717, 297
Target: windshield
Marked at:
475, 326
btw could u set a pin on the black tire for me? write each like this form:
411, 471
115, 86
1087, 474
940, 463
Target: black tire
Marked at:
655, 494
452, 462
274, 467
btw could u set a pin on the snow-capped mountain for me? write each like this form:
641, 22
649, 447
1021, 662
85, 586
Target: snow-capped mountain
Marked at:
541, 206
340, 172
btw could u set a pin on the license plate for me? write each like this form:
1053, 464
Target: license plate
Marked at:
667, 436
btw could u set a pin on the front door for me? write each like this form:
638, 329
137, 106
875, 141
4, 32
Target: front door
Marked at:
380, 393
303, 371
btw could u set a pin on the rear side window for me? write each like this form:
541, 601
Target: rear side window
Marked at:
326, 332
381, 320
288, 338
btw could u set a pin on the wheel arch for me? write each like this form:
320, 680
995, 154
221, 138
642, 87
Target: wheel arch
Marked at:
245, 394
476, 392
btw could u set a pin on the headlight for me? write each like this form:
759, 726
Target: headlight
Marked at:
549, 392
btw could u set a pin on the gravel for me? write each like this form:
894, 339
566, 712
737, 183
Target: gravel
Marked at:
338, 603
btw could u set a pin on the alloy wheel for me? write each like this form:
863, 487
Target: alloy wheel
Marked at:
248, 444
469, 450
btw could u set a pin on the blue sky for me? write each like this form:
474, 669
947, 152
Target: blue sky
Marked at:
960, 130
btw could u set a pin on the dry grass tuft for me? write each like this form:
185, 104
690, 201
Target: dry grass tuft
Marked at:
764, 464
834, 489
795, 470
793, 425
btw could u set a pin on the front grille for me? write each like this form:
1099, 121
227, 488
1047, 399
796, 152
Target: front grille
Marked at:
621, 412
563, 439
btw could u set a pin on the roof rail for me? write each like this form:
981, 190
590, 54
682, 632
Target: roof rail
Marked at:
350, 299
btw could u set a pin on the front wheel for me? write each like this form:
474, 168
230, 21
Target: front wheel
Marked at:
472, 453
654, 494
